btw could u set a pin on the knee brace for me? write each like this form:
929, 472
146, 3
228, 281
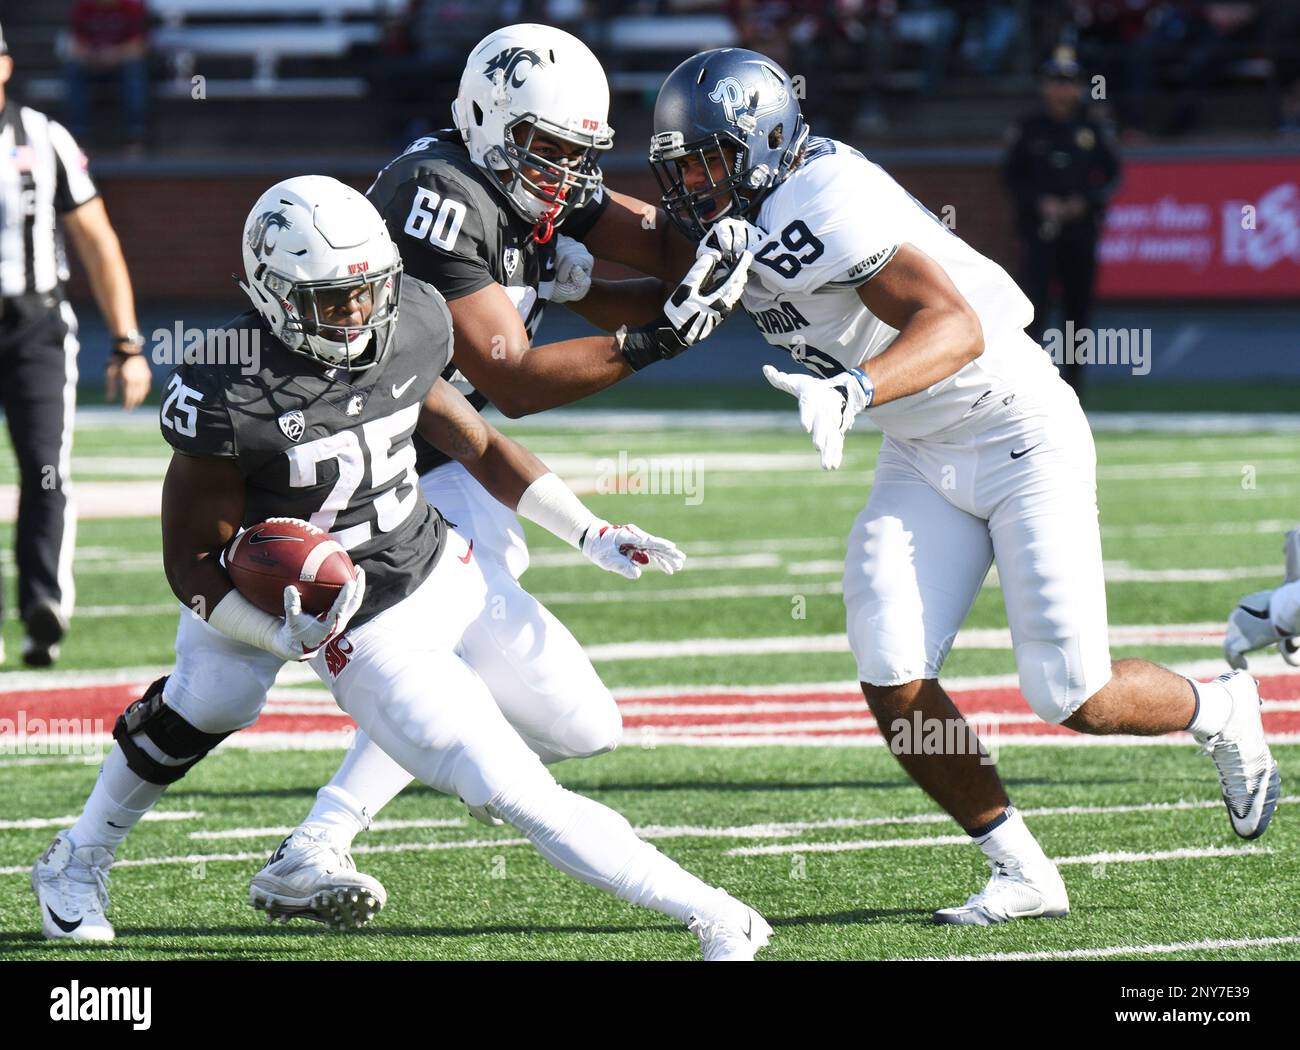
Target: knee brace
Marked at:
170, 745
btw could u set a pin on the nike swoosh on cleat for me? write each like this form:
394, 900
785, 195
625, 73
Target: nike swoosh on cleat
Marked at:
1024, 451
61, 923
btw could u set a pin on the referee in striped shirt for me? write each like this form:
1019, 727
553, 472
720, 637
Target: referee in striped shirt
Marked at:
43, 178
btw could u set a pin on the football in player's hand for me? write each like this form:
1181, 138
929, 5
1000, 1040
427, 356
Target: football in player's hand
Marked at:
265, 559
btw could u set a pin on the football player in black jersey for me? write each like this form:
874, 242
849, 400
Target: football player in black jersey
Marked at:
494, 214
346, 367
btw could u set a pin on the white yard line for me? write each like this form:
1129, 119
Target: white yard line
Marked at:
1114, 950
378, 825
1116, 857
155, 816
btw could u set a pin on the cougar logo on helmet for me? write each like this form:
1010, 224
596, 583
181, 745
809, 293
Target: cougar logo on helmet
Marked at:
259, 235
509, 61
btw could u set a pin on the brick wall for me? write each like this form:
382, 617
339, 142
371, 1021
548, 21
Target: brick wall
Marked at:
181, 233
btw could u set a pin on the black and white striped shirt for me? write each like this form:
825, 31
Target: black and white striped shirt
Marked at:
42, 175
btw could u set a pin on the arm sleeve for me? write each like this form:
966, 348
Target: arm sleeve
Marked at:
579, 224
194, 417
441, 237
73, 184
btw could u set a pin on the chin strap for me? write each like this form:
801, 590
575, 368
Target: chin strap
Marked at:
544, 229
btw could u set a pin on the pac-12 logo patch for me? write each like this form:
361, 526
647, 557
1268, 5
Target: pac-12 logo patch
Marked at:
292, 424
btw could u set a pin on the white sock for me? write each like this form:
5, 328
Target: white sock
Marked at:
337, 815
595, 844
116, 804
366, 781
1213, 706
1284, 608
1011, 840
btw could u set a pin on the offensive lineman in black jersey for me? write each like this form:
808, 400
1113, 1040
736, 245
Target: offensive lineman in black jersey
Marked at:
483, 213
347, 366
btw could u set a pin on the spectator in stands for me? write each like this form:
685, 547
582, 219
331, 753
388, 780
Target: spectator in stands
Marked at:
1061, 170
838, 51
1196, 36
109, 41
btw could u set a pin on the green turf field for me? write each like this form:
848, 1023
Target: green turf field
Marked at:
1190, 523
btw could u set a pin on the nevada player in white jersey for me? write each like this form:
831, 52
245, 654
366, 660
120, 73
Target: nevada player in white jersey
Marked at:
987, 456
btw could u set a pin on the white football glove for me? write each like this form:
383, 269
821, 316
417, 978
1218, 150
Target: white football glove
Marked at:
731, 237
302, 634
573, 266
827, 407
624, 549
699, 304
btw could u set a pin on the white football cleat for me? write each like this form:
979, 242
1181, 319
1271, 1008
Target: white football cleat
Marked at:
308, 877
1014, 891
1248, 774
71, 887
734, 933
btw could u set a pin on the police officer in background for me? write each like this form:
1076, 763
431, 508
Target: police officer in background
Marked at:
1061, 170
43, 177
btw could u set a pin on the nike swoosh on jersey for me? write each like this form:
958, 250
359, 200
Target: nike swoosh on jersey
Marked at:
62, 923
1024, 451
398, 391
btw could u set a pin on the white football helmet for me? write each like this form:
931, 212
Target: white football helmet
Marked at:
314, 248
525, 79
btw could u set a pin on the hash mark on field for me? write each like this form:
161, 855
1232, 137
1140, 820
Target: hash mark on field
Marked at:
1120, 949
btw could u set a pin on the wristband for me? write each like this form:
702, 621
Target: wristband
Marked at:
550, 503
238, 618
656, 341
868, 387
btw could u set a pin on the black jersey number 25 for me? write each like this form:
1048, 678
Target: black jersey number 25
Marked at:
803, 245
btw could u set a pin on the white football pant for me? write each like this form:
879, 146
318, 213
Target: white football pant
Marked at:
1020, 491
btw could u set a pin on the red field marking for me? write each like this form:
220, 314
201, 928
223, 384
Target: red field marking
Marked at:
89, 703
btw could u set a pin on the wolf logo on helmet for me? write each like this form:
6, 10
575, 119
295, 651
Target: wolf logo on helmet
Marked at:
260, 230
508, 63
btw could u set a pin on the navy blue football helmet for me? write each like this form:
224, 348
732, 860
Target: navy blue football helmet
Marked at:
733, 98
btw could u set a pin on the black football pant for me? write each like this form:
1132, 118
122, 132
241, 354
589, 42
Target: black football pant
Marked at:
38, 382
1070, 258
